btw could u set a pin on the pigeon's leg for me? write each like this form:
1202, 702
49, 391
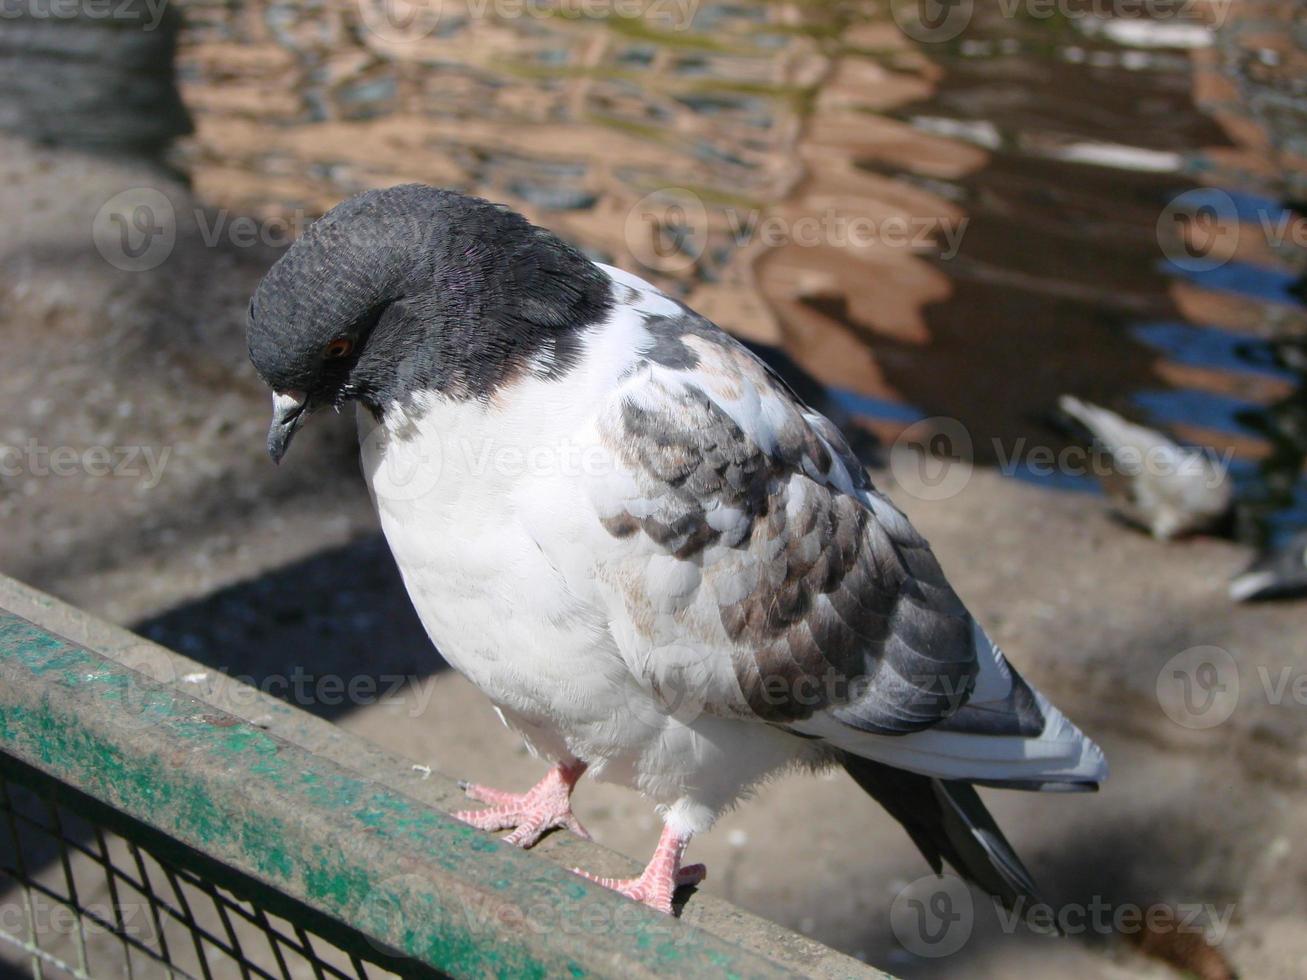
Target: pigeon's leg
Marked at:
544, 806
661, 877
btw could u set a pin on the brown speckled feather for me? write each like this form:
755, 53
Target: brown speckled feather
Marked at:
820, 590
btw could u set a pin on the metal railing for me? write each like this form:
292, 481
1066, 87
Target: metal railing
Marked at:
145, 831
88, 902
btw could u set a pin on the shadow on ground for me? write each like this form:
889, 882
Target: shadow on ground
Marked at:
309, 632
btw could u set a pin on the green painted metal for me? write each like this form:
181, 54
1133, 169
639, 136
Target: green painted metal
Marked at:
411, 879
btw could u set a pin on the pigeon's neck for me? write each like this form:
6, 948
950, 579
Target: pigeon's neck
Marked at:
511, 315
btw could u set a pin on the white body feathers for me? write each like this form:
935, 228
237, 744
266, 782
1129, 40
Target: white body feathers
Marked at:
603, 647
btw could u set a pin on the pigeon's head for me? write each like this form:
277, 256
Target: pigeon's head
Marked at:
414, 290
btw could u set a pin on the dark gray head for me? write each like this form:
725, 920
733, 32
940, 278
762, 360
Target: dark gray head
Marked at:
416, 289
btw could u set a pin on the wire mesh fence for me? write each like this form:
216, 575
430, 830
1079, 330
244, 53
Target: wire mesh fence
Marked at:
148, 832
78, 899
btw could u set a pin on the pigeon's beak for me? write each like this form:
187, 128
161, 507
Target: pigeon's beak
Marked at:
288, 414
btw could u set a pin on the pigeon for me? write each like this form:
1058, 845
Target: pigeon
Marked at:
658, 564
865, 445
1168, 489
1278, 573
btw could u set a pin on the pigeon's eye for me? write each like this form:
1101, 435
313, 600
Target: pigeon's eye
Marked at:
338, 348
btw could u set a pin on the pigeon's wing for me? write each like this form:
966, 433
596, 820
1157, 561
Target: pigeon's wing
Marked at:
751, 554
747, 563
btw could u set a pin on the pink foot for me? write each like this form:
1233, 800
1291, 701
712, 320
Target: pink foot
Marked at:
544, 806
660, 878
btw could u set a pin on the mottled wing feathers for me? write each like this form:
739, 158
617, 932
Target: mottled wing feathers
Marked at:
773, 550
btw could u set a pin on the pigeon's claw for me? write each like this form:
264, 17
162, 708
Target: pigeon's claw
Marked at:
660, 878
495, 797
545, 806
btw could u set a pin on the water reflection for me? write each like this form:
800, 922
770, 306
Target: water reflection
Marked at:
1055, 147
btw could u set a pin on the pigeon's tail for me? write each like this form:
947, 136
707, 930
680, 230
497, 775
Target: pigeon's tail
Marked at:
1276, 574
948, 822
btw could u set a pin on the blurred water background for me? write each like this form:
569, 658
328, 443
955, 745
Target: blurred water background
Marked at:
1104, 205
